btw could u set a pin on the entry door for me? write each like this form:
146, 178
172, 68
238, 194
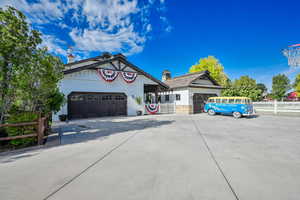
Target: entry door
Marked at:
199, 101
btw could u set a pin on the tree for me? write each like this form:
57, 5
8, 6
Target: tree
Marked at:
244, 87
280, 86
263, 90
28, 74
297, 88
215, 68
297, 81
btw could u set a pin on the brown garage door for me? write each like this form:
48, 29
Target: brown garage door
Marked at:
86, 105
199, 101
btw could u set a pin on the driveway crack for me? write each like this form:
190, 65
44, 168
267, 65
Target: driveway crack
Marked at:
89, 167
215, 161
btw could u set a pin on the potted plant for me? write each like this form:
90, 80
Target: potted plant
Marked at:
63, 117
139, 102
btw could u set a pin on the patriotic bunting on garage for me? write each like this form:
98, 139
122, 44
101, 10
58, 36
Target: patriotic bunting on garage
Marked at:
152, 108
108, 74
129, 77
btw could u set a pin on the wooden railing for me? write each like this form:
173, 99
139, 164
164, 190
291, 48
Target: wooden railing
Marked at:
40, 124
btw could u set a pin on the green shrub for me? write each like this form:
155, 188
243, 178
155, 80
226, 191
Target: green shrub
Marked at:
16, 131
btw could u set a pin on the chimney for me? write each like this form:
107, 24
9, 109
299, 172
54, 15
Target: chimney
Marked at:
71, 58
166, 75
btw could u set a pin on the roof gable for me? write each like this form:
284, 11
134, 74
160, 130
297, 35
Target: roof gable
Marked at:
197, 79
116, 62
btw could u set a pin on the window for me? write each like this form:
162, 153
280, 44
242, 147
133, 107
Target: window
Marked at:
76, 98
224, 100
107, 97
211, 101
238, 101
167, 98
231, 101
218, 100
177, 97
120, 98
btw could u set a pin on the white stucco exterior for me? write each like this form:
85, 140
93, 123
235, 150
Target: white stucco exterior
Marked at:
90, 81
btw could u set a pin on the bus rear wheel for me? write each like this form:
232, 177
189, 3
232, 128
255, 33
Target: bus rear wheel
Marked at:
237, 115
211, 112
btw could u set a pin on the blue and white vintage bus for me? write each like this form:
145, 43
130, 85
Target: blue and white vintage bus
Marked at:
236, 106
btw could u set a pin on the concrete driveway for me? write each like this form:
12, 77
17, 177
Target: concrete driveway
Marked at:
161, 157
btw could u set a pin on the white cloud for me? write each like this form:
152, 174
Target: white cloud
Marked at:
54, 45
93, 25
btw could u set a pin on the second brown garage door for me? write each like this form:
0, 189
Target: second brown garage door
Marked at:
86, 105
199, 101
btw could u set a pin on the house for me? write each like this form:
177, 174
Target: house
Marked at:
106, 85
190, 91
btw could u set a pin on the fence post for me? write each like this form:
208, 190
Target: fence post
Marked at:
40, 130
275, 107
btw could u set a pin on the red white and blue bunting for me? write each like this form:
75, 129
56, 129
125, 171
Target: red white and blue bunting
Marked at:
152, 108
129, 77
108, 74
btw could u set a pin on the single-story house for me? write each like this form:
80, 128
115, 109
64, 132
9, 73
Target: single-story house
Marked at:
190, 91
106, 85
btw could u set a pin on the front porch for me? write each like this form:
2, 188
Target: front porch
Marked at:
153, 103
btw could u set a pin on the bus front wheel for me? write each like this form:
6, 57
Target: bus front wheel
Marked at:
211, 112
237, 115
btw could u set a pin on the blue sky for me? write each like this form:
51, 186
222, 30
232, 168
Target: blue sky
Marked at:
246, 36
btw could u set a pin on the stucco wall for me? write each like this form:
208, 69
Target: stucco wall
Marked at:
89, 81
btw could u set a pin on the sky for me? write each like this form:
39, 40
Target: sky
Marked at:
246, 36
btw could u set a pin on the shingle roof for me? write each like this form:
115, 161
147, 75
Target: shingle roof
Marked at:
187, 79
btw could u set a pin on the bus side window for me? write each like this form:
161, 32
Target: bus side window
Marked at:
218, 100
231, 101
224, 100
238, 101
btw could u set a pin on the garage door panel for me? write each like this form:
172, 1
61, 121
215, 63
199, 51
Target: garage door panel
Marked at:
87, 105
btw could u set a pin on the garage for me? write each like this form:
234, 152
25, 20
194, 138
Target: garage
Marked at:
91, 104
199, 101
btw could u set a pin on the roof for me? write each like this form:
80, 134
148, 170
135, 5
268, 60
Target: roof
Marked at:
187, 80
100, 60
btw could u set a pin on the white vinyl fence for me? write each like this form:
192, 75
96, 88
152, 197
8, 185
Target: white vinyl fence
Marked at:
277, 107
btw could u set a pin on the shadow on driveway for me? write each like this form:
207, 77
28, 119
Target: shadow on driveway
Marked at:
78, 131
90, 129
